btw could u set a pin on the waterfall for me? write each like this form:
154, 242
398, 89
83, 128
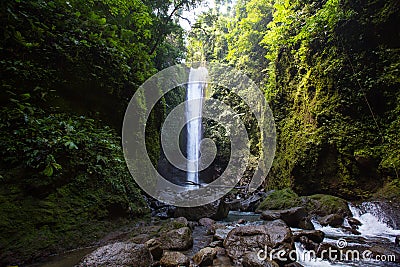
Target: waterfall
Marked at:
193, 109
374, 221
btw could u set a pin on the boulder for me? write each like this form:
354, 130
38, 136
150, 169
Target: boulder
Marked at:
178, 239
314, 235
292, 217
353, 222
334, 220
252, 202
221, 233
119, 254
323, 205
271, 235
216, 210
250, 259
207, 222
173, 259
270, 215
154, 246
205, 256
217, 243
306, 224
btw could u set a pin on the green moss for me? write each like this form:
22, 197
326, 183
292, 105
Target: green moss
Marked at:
280, 199
326, 204
390, 191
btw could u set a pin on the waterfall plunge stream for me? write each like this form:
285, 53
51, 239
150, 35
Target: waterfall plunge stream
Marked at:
193, 110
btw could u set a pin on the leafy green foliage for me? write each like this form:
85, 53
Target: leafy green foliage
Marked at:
59, 173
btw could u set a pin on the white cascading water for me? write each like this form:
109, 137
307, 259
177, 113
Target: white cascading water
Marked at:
374, 227
374, 221
195, 93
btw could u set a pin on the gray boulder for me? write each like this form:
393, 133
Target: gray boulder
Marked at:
119, 254
178, 239
173, 259
272, 235
216, 210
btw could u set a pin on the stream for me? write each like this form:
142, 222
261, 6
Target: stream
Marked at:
374, 232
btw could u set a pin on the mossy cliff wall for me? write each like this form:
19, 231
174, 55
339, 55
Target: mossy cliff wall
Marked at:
334, 88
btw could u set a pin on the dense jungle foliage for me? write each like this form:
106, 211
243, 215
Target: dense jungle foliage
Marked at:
68, 70
330, 70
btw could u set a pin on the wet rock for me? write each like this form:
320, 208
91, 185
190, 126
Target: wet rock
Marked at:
334, 220
291, 216
216, 210
251, 203
354, 223
270, 215
207, 222
306, 224
314, 235
205, 256
154, 246
271, 235
173, 259
211, 229
397, 240
178, 239
217, 243
164, 212
308, 244
119, 254
250, 259
350, 230
241, 221
221, 233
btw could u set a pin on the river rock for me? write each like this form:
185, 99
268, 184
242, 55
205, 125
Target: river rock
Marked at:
250, 259
306, 224
334, 220
154, 246
292, 217
221, 233
353, 222
119, 254
178, 239
173, 259
216, 210
207, 222
252, 202
314, 235
205, 256
272, 235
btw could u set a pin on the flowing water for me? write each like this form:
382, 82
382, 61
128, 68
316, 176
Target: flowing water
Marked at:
374, 231
193, 109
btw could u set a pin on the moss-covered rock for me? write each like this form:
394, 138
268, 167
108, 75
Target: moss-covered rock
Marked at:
318, 204
323, 205
280, 199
